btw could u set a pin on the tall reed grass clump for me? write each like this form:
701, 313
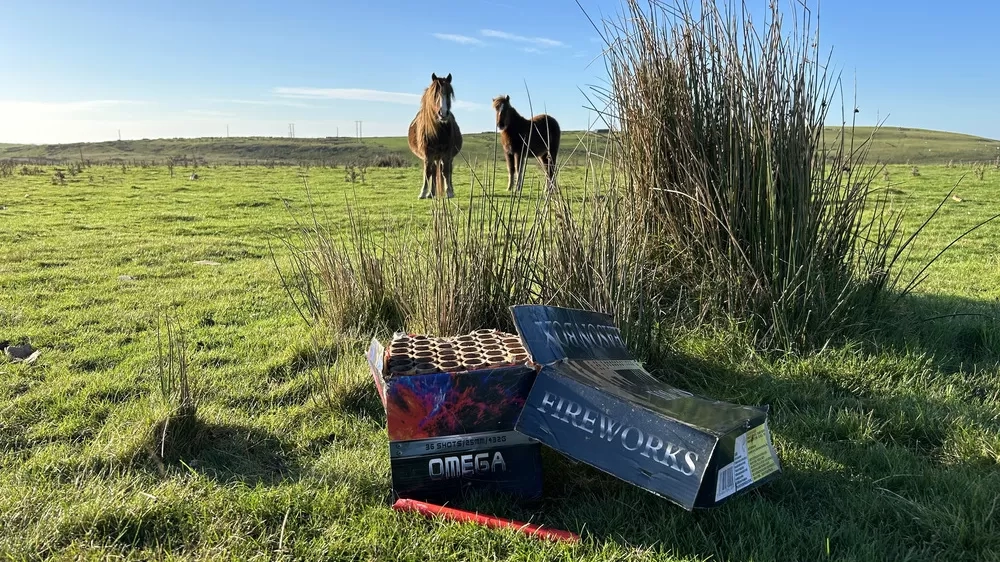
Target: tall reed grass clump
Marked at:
719, 128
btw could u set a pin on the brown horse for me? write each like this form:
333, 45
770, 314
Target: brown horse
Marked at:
520, 137
434, 136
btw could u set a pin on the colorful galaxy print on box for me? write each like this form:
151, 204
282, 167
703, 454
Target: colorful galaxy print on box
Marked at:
422, 406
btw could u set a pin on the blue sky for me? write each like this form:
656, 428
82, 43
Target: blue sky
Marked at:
82, 71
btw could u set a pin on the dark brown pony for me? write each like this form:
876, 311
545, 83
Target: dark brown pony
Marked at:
520, 137
434, 136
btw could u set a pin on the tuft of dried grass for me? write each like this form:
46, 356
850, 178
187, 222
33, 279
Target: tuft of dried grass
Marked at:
179, 433
172, 368
458, 274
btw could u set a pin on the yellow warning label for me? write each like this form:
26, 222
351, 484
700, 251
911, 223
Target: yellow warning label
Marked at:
760, 455
754, 457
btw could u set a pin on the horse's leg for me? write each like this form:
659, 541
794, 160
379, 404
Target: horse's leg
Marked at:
509, 157
432, 178
423, 188
439, 179
428, 167
552, 170
543, 161
548, 163
518, 170
521, 163
448, 168
551, 155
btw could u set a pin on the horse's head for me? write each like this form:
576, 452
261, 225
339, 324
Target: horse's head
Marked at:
501, 104
442, 95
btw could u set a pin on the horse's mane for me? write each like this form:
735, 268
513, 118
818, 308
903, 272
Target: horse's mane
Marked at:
427, 123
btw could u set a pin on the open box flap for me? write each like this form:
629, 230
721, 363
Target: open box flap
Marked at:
587, 348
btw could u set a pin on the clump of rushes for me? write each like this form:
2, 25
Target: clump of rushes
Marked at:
719, 134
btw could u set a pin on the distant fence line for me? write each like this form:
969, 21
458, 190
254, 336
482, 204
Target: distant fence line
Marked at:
31, 165
12, 165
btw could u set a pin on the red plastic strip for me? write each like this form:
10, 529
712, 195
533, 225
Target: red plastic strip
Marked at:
429, 510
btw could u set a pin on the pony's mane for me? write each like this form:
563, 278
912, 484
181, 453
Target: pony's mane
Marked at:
427, 124
500, 101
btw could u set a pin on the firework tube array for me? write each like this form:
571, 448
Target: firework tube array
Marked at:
483, 349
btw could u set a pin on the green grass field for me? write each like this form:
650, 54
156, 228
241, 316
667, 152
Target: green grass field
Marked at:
891, 447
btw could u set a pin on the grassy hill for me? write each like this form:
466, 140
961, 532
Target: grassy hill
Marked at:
893, 145
900, 145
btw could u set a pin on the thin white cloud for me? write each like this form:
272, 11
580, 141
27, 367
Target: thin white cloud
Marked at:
462, 39
468, 105
359, 94
531, 50
62, 107
472, 106
208, 113
539, 41
356, 94
282, 103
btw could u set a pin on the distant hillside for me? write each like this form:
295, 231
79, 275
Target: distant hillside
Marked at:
209, 149
329, 150
900, 145
892, 145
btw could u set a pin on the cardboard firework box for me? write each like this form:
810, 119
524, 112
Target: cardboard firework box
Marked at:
451, 405
593, 402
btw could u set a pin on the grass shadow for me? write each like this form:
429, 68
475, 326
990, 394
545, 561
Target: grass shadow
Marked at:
362, 399
221, 452
957, 333
163, 526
